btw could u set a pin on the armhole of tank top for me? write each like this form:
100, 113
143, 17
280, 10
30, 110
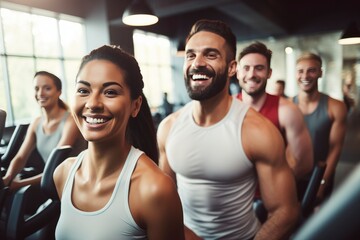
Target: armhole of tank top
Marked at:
38, 128
134, 155
184, 111
244, 111
326, 100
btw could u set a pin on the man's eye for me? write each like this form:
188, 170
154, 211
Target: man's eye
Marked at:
212, 55
190, 56
82, 91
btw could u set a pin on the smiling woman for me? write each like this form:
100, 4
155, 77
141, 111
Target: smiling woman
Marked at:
131, 197
55, 127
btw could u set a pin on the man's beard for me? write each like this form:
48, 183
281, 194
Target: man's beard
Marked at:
200, 93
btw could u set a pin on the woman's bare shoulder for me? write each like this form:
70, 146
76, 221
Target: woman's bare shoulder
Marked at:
153, 184
61, 173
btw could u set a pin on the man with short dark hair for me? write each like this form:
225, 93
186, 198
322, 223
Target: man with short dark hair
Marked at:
253, 73
217, 149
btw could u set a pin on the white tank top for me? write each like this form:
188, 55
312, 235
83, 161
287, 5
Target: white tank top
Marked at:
113, 221
216, 181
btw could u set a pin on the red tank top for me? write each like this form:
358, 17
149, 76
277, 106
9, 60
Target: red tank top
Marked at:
270, 109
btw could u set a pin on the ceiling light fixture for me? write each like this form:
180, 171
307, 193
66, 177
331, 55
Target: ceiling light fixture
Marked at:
351, 35
139, 13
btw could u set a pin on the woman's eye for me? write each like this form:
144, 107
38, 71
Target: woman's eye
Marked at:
111, 93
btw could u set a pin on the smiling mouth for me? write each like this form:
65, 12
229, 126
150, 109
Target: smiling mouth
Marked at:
95, 120
200, 77
304, 82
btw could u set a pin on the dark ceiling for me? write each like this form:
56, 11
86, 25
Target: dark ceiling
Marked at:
249, 19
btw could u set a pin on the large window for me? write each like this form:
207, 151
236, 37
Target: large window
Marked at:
153, 54
32, 40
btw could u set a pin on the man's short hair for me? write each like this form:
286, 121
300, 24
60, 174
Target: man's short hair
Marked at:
281, 82
218, 27
257, 47
309, 56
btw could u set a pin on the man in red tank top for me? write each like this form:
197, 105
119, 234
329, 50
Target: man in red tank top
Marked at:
253, 71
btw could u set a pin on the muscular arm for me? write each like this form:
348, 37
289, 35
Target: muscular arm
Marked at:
299, 150
338, 113
266, 150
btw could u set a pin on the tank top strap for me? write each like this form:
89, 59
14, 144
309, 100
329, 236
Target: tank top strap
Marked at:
131, 161
323, 100
69, 181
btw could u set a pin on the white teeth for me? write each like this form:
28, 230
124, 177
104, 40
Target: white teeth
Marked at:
305, 82
199, 76
95, 120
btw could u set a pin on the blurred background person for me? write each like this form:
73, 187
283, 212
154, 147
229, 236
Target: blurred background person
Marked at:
325, 118
279, 88
253, 72
349, 90
166, 107
54, 128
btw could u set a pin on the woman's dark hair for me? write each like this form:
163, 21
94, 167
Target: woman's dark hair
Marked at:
140, 130
57, 83
218, 27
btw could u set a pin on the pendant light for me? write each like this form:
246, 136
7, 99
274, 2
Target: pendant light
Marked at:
351, 35
139, 13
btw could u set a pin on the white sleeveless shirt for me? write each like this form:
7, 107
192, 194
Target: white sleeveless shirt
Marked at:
216, 181
113, 221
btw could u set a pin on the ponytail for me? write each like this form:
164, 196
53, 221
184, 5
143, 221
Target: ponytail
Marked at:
141, 131
63, 105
